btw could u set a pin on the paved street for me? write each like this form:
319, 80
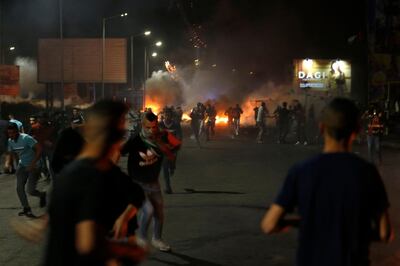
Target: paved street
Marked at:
221, 193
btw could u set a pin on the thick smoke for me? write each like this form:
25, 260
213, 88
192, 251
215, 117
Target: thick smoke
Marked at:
188, 86
28, 77
162, 89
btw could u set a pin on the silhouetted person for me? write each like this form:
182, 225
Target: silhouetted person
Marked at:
340, 198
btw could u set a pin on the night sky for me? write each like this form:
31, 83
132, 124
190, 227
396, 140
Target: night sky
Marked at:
260, 36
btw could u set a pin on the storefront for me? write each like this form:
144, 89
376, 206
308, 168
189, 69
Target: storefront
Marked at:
329, 77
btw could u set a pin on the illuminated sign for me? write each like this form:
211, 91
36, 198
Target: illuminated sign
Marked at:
323, 75
311, 75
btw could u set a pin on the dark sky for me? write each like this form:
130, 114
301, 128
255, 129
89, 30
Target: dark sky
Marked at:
261, 36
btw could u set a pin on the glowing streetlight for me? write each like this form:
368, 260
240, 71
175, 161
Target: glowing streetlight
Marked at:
104, 49
158, 43
12, 48
154, 54
146, 34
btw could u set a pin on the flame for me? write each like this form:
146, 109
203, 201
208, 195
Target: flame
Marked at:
155, 107
170, 67
186, 117
221, 120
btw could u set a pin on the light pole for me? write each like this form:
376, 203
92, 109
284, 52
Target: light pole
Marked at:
60, 5
146, 33
146, 60
146, 69
104, 49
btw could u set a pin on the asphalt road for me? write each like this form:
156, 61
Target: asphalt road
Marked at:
221, 192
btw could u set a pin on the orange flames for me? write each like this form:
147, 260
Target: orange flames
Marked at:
155, 107
219, 119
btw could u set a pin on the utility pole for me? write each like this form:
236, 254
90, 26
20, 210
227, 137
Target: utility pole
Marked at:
60, 5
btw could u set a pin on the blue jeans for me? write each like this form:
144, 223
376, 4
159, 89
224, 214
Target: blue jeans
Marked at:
152, 209
168, 169
374, 148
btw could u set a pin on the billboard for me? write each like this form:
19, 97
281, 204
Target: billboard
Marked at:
332, 76
80, 61
9, 80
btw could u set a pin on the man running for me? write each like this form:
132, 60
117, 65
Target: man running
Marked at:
340, 198
28, 170
146, 153
168, 167
211, 115
261, 122
236, 113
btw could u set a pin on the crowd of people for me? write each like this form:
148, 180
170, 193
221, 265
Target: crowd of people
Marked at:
291, 118
99, 215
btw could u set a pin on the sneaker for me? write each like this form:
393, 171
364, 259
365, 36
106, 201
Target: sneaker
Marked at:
305, 143
27, 212
43, 200
160, 245
297, 143
140, 241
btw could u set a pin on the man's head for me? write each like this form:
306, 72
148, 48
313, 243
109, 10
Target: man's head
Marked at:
105, 124
75, 111
340, 120
12, 131
169, 115
150, 124
32, 120
284, 104
11, 116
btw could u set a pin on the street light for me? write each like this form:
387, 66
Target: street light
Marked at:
146, 33
146, 69
104, 48
12, 48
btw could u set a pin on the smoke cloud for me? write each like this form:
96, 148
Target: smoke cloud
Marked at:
189, 87
28, 77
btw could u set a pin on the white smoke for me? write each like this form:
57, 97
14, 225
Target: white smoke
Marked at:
30, 88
